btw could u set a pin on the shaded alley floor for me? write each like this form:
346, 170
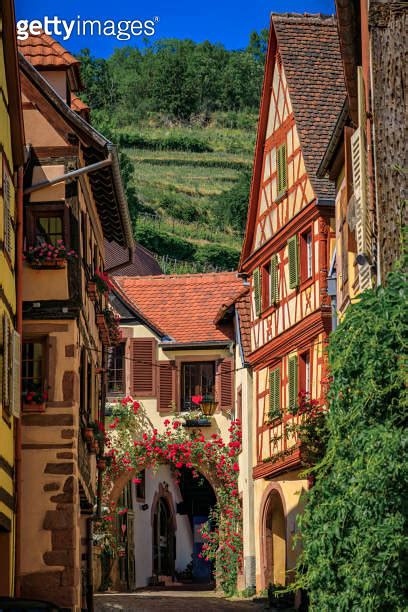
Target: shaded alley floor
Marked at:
172, 601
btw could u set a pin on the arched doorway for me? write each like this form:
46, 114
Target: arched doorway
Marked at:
164, 537
274, 540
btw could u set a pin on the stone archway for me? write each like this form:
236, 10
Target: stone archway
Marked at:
273, 541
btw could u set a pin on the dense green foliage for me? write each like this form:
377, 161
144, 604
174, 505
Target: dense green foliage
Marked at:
184, 117
179, 78
354, 528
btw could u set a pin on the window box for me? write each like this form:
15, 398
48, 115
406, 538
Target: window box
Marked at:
197, 423
33, 407
102, 325
56, 264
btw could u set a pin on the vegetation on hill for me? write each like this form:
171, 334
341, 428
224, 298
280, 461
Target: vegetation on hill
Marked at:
184, 116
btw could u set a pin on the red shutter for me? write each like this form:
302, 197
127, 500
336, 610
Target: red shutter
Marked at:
166, 386
226, 380
143, 355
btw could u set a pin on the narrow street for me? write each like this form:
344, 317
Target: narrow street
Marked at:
172, 601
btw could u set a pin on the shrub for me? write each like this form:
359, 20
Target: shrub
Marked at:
354, 528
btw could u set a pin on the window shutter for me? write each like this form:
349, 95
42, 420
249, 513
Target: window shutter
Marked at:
293, 382
226, 374
8, 225
293, 256
274, 394
143, 354
166, 393
281, 163
257, 291
274, 279
15, 362
360, 186
6, 363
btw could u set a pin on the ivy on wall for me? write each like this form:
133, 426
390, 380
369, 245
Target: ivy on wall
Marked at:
354, 527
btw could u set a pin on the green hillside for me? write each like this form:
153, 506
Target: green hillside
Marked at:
184, 116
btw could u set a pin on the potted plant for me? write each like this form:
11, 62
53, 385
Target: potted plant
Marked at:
196, 418
102, 282
34, 399
49, 255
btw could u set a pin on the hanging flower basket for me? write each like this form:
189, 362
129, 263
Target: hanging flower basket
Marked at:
49, 256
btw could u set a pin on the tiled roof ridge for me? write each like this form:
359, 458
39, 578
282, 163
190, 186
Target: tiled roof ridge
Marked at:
197, 275
322, 18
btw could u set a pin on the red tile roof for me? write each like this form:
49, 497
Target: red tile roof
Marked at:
310, 50
184, 305
45, 53
243, 306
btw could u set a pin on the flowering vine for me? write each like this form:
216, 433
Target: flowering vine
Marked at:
133, 444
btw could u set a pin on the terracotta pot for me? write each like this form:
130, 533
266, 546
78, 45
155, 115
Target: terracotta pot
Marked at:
33, 407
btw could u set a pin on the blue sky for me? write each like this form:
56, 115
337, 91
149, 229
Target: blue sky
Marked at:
226, 21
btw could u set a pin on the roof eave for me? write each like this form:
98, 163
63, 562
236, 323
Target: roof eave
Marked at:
334, 141
199, 344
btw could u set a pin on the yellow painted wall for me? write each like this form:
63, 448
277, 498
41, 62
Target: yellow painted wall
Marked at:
7, 285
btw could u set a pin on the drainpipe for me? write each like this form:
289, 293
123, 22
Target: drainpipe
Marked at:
17, 422
89, 564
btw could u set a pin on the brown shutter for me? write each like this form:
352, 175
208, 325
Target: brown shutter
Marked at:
226, 380
143, 367
166, 395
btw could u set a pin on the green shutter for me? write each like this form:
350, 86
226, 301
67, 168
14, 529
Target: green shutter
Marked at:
257, 291
274, 394
274, 279
293, 256
293, 383
282, 167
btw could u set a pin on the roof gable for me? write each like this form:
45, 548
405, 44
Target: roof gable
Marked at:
304, 88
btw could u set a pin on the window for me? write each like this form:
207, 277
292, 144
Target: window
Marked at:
116, 369
282, 169
304, 373
47, 224
306, 255
197, 379
33, 366
141, 486
270, 279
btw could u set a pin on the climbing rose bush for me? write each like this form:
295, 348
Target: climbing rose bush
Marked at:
134, 445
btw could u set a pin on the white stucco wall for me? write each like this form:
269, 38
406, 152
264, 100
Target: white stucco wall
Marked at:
143, 527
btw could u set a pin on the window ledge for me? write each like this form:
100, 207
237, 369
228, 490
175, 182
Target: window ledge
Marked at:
306, 283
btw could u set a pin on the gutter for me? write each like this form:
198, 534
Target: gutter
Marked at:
210, 344
69, 175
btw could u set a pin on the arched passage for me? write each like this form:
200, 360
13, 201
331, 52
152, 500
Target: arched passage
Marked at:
273, 537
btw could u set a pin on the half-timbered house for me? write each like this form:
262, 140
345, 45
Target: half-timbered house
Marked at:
286, 255
73, 201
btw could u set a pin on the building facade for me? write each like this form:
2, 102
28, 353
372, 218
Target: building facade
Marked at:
287, 253
182, 339
12, 160
73, 201
366, 153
